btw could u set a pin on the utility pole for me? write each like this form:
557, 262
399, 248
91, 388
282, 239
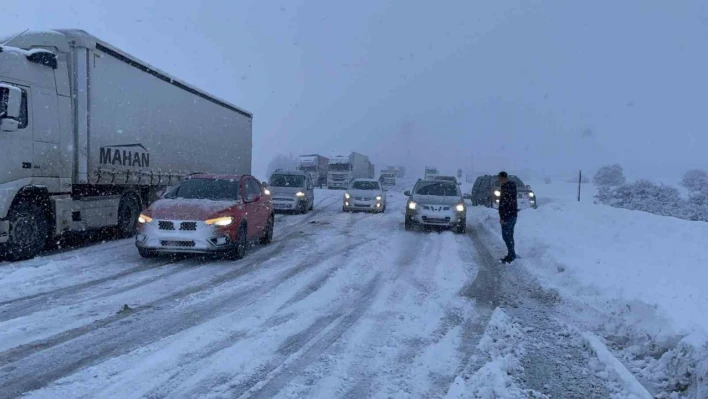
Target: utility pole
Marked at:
580, 181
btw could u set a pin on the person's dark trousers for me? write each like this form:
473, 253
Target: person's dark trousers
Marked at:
508, 235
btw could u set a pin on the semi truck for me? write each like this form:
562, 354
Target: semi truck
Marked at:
388, 178
316, 165
345, 168
90, 135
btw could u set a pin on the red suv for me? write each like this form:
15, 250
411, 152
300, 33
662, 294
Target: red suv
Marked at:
219, 214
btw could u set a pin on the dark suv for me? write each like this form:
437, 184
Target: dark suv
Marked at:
486, 191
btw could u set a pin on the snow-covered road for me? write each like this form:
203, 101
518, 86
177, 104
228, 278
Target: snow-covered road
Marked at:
340, 305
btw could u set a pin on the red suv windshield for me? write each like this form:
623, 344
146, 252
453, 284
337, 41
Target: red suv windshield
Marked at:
217, 190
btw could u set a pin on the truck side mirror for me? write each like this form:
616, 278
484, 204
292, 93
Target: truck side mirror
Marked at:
10, 103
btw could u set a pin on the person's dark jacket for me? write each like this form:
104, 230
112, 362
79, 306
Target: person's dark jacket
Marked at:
507, 202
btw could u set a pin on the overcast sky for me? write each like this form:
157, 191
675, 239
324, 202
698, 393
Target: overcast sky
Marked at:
551, 86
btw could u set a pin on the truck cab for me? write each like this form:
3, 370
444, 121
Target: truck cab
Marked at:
339, 174
35, 131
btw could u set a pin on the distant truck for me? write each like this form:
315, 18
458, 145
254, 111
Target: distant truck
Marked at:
315, 165
388, 178
345, 168
430, 172
90, 135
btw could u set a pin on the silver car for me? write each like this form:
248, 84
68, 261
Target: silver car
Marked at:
291, 190
436, 203
364, 195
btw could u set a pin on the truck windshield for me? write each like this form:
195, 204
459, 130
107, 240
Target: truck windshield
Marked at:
287, 181
339, 167
212, 189
439, 189
365, 185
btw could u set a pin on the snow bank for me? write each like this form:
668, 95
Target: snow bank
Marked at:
646, 276
499, 352
593, 250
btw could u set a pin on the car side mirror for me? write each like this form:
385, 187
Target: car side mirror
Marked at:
10, 103
407, 193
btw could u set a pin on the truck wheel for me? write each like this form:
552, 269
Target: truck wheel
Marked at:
268, 232
29, 231
128, 213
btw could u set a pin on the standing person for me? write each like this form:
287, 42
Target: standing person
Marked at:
508, 211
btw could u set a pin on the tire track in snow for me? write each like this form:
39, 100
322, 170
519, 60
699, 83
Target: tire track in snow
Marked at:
304, 348
395, 373
315, 285
271, 322
30, 304
296, 341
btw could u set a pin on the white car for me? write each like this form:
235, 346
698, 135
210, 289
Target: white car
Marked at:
365, 195
436, 203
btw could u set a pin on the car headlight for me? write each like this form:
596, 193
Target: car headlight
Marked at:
460, 208
412, 205
379, 198
347, 196
497, 193
531, 195
300, 194
144, 219
266, 191
222, 221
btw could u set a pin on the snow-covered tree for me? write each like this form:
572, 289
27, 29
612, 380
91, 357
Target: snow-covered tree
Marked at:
695, 180
281, 161
610, 175
646, 196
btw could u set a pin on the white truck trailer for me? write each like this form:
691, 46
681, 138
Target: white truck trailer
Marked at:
316, 166
89, 135
345, 168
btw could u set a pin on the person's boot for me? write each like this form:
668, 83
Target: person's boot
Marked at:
505, 259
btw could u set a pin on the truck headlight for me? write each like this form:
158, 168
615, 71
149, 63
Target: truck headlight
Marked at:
531, 195
222, 221
412, 205
379, 198
460, 207
300, 194
497, 193
144, 219
347, 196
